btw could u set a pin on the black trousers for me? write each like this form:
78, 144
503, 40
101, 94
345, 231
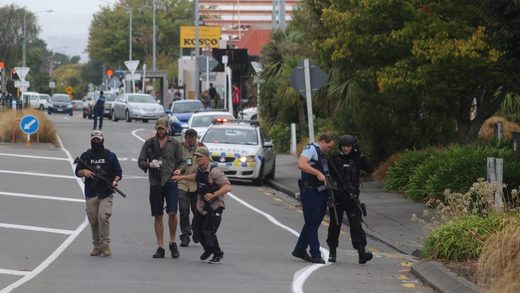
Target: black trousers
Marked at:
187, 201
354, 214
206, 230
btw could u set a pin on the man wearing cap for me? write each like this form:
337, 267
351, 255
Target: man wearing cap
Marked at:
161, 157
188, 189
99, 197
99, 111
212, 185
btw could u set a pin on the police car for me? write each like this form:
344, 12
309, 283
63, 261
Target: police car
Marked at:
201, 121
242, 150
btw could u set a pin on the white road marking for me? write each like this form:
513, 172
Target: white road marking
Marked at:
300, 276
41, 196
34, 228
34, 157
38, 174
14, 273
58, 250
134, 133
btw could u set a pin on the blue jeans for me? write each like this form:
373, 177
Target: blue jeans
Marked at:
314, 206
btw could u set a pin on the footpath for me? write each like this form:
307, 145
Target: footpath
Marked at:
388, 221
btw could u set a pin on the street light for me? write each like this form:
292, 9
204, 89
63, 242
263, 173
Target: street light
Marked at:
24, 32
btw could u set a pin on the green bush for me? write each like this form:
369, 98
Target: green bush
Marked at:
421, 174
398, 176
281, 136
463, 238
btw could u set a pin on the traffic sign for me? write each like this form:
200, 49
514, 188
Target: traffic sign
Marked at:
52, 84
29, 124
201, 63
22, 72
109, 72
132, 65
69, 90
22, 84
317, 76
135, 76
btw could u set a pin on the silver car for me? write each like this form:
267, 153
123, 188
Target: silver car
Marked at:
136, 106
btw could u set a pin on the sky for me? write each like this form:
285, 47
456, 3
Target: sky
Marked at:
65, 29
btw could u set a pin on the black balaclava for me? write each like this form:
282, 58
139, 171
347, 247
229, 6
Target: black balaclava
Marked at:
97, 146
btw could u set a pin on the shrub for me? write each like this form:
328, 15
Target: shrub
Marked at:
281, 136
499, 263
398, 175
8, 118
463, 238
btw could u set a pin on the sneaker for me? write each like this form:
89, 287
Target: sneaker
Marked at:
174, 250
317, 259
159, 253
96, 251
107, 251
302, 255
195, 238
205, 255
216, 259
185, 242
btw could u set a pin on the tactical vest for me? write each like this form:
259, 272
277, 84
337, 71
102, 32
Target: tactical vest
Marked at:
312, 180
99, 162
203, 185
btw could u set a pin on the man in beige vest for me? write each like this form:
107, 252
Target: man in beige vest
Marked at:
188, 189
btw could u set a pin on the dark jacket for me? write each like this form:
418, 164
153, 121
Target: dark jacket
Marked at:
346, 170
106, 161
171, 156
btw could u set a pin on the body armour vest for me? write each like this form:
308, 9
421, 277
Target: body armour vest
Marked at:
311, 179
99, 162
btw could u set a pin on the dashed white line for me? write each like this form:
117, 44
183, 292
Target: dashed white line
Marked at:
34, 228
13, 272
37, 174
34, 157
41, 196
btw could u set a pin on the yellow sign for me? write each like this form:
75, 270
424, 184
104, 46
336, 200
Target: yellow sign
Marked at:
208, 36
69, 90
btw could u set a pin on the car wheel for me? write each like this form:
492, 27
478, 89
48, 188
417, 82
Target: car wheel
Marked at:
70, 113
253, 117
42, 108
145, 120
89, 116
127, 117
271, 174
84, 115
260, 180
49, 111
114, 116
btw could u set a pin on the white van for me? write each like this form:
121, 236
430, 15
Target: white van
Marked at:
36, 100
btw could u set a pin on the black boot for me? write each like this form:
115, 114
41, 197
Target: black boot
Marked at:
364, 256
332, 255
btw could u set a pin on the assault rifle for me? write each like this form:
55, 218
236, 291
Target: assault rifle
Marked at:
350, 191
330, 190
99, 175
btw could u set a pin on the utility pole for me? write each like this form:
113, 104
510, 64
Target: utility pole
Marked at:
197, 83
154, 63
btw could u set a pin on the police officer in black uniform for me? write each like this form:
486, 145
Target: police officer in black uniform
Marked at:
313, 193
99, 196
345, 167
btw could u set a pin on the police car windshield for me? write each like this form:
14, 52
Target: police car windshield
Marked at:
206, 120
231, 136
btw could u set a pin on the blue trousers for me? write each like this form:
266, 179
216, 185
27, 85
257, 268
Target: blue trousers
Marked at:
314, 206
96, 117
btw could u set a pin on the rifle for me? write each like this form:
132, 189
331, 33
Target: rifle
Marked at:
100, 176
350, 191
330, 191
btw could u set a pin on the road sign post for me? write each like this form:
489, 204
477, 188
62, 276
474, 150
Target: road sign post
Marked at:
29, 125
132, 66
307, 79
22, 73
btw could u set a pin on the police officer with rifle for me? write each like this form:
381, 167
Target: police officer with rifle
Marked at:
345, 167
102, 173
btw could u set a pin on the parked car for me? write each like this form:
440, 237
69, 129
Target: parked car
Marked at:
136, 106
88, 100
78, 105
35, 100
201, 121
248, 114
60, 103
180, 112
242, 150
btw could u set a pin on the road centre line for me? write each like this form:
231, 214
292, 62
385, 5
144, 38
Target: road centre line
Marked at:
34, 157
29, 276
41, 196
34, 228
301, 275
14, 273
38, 174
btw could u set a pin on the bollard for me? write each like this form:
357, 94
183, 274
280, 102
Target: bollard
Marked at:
498, 131
515, 137
293, 139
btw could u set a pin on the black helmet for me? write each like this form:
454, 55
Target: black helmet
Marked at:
346, 140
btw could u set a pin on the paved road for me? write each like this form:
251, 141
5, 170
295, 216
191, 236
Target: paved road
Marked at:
45, 240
